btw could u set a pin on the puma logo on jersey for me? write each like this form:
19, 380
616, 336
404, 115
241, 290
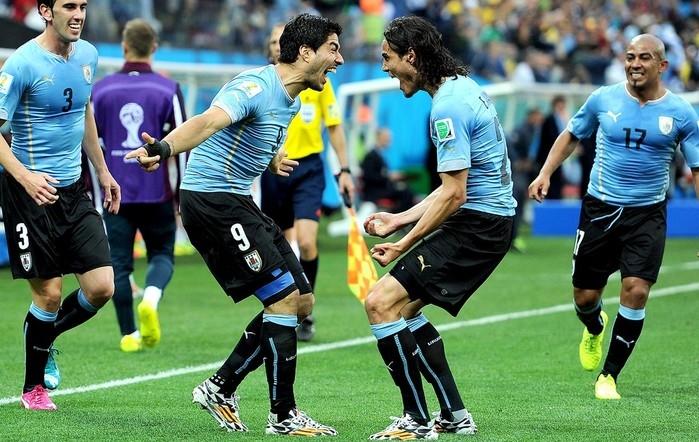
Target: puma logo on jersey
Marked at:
423, 266
624, 341
613, 116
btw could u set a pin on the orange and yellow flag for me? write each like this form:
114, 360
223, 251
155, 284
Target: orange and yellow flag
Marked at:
361, 272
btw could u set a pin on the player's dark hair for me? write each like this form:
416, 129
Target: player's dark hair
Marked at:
48, 3
305, 30
432, 60
140, 37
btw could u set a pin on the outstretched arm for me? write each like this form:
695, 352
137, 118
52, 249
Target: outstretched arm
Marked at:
190, 134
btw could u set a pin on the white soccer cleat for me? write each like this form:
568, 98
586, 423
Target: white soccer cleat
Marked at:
405, 428
464, 426
223, 409
297, 424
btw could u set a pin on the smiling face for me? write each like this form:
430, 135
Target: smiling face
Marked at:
67, 18
645, 62
402, 68
326, 59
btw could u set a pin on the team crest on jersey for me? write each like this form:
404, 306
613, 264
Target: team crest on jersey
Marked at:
444, 129
5, 82
665, 125
87, 73
250, 88
26, 260
254, 261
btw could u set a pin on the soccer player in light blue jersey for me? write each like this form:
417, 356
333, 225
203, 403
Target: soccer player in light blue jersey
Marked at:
52, 227
623, 217
463, 229
234, 141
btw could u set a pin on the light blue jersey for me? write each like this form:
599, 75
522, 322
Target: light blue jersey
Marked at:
261, 110
467, 133
44, 97
635, 143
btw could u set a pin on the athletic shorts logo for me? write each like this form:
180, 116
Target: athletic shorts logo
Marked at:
254, 261
5, 83
87, 73
444, 129
665, 125
26, 260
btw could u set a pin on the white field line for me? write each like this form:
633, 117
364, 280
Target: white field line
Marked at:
656, 293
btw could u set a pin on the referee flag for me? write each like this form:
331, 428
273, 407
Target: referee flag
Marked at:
361, 273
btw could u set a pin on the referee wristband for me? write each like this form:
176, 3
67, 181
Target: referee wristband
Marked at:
344, 170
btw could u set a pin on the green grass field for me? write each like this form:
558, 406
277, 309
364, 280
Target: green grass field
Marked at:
513, 351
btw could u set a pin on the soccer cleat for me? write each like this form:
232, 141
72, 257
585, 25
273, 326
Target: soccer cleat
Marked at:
223, 409
297, 424
52, 375
405, 428
37, 399
464, 426
590, 348
605, 387
306, 329
130, 344
149, 324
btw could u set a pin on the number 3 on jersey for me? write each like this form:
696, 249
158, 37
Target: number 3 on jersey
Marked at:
239, 235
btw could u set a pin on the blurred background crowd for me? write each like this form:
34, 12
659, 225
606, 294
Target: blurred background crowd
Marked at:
520, 40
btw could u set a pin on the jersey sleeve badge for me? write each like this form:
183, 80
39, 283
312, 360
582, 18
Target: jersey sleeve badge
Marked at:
444, 129
5, 82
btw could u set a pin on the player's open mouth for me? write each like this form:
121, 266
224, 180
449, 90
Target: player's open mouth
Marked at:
636, 75
74, 26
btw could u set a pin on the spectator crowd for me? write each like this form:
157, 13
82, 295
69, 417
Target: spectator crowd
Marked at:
520, 40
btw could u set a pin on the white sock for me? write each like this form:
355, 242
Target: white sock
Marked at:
136, 334
152, 295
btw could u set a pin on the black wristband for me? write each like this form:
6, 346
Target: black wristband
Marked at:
344, 170
159, 147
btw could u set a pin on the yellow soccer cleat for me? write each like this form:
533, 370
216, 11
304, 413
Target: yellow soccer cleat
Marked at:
130, 344
590, 349
605, 388
149, 324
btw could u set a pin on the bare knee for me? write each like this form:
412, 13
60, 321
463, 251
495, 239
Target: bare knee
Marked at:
306, 303
634, 292
308, 248
47, 298
98, 288
586, 297
385, 301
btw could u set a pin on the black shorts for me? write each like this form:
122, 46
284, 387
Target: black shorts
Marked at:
611, 238
298, 196
55, 239
245, 251
447, 267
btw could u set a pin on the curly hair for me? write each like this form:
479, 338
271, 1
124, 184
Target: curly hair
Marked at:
305, 29
432, 60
